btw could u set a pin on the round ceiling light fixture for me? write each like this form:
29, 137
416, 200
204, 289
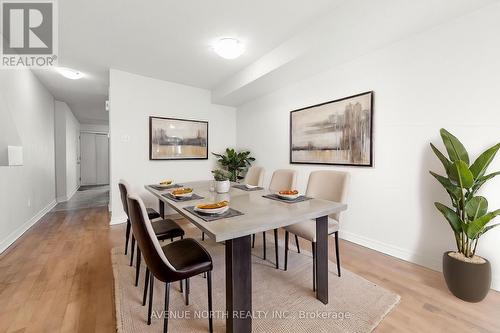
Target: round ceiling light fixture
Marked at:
229, 48
69, 73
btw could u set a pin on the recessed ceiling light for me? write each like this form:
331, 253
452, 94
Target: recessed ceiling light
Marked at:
69, 73
229, 48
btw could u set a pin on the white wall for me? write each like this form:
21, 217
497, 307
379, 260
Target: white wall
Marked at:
67, 146
72, 153
133, 99
94, 128
446, 77
27, 192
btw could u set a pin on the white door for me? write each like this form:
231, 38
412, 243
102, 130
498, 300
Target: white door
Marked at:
94, 150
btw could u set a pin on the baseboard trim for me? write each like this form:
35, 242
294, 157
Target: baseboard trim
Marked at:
69, 196
400, 253
117, 220
10, 239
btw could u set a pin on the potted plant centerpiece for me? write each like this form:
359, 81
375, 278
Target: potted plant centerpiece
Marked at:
235, 163
222, 183
467, 275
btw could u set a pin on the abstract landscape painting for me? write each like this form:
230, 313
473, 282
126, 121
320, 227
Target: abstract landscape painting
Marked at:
337, 132
177, 139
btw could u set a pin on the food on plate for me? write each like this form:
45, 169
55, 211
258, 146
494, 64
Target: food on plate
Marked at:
216, 205
289, 192
181, 191
166, 182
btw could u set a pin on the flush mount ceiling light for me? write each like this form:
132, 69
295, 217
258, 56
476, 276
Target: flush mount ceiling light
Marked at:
229, 48
69, 73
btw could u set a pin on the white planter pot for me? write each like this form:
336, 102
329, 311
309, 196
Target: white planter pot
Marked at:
223, 186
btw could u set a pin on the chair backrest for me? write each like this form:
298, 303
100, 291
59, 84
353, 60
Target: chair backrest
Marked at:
255, 176
283, 179
124, 191
147, 241
329, 185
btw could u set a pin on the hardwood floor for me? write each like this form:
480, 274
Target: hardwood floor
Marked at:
58, 278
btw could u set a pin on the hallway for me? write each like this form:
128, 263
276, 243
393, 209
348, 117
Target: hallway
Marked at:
86, 197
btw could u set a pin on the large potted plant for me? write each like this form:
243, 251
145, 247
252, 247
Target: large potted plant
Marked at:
235, 162
467, 275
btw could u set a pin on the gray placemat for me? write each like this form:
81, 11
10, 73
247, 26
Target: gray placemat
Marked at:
244, 188
230, 213
300, 198
161, 188
173, 198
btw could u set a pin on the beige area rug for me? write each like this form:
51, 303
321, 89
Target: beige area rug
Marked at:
282, 301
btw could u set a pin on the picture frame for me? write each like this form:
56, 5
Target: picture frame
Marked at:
177, 139
337, 132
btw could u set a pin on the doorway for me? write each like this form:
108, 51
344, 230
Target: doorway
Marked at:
94, 158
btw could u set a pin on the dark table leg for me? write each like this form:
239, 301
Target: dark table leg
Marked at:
238, 285
322, 259
162, 209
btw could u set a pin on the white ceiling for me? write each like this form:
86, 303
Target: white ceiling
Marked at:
165, 39
286, 40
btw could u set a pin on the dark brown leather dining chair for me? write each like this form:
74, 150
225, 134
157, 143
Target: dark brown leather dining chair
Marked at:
176, 261
164, 229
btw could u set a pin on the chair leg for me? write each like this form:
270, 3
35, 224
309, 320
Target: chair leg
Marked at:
287, 235
146, 282
276, 248
127, 235
132, 249
209, 286
182, 237
167, 299
202, 236
264, 244
137, 267
314, 265
181, 287
253, 241
187, 291
150, 307
337, 252
297, 243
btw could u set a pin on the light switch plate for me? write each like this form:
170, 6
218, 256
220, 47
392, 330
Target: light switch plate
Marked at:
15, 155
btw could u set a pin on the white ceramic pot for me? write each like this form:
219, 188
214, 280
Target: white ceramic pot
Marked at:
222, 186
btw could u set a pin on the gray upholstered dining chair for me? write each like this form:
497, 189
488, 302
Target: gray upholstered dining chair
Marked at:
282, 179
254, 176
326, 185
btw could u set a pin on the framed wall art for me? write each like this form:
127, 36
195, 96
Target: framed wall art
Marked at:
338, 132
177, 139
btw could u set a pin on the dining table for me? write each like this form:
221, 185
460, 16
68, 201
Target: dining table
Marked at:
257, 214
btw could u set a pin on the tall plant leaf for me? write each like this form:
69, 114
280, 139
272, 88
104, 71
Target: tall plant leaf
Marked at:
461, 175
476, 207
478, 168
448, 185
451, 216
444, 160
480, 182
488, 228
476, 227
456, 150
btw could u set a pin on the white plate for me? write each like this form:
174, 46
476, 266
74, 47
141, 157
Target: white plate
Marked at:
250, 186
185, 195
217, 211
288, 196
